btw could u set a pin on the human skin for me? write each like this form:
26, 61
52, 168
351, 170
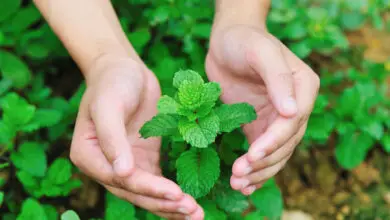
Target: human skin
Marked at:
253, 66
121, 95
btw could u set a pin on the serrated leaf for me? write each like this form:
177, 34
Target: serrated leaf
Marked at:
230, 200
167, 105
8, 7
211, 211
197, 171
160, 125
13, 68
200, 133
43, 118
186, 75
268, 200
191, 95
235, 115
353, 148
59, 172
32, 209
118, 209
16, 110
70, 215
211, 94
31, 158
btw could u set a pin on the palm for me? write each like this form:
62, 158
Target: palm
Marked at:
244, 88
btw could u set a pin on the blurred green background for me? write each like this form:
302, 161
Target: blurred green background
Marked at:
339, 171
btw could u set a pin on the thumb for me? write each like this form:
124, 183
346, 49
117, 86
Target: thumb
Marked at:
267, 60
109, 120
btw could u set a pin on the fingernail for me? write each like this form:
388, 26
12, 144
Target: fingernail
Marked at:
121, 166
242, 183
182, 210
258, 155
170, 197
250, 190
290, 106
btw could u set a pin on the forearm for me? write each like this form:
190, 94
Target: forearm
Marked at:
89, 29
233, 12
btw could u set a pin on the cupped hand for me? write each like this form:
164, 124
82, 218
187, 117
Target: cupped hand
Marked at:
121, 95
253, 66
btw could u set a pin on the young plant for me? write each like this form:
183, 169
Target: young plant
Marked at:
193, 115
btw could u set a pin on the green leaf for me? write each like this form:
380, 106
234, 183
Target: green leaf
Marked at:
8, 7
295, 30
352, 20
191, 95
1, 198
167, 105
51, 212
302, 48
31, 158
118, 209
160, 125
14, 69
230, 200
24, 18
200, 133
197, 171
254, 216
43, 118
212, 91
186, 75
202, 30
235, 115
386, 143
268, 200
6, 133
32, 209
16, 110
349, 102
59, 172
70, 215
28, 181
320, 126
353, 148
374, 128
139, 38
211, 211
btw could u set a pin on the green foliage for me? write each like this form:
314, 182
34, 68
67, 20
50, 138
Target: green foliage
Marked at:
118, 209
197, 171
38, 112
70, 215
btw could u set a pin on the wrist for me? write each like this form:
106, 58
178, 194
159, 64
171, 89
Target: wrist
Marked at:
109, 61
247, 12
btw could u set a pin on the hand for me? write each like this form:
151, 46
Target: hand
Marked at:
253, 66
121, 95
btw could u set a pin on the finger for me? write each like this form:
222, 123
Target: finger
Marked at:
147, 184
171, 216
266, 58
109, 118
87, 155
276, 135
185, 206
242, 167
257, 177
252, 188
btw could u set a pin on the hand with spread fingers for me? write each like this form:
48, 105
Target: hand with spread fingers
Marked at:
253, 66
121, 95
